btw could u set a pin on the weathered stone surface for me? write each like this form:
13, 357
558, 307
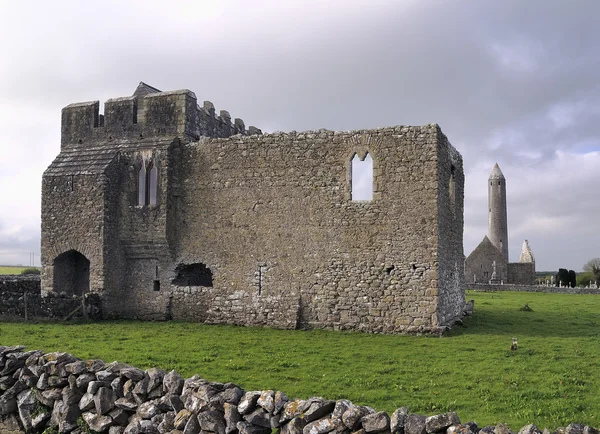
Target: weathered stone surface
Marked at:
147, 410
93, 386
248, 402
10, 425
126, 404
460, 429
155, 378
318, 408
47, 397
340, 408
280, 400
167, 424
246, 428
320, 426
503, 429
71, 395
590, 430
398, 420
173, 383
376, 422
39, 421
294, 426
353, 415
441, 422
181, 419
415, 424
84, 380
212, 421
530, 429
575, 428
119, 416
97, 422
258, 417
231, 395
26, 405
104, 400
231, 416
192, 426
267, 400
77, 367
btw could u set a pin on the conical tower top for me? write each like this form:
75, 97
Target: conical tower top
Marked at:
496, 173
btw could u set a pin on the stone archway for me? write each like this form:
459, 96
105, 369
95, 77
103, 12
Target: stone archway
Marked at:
71, 273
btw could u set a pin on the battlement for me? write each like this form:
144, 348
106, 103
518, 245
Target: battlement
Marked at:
156, 114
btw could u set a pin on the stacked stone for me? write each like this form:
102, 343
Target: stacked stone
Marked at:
58, 393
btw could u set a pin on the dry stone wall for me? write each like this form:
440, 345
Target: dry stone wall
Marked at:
58, 393
20, 298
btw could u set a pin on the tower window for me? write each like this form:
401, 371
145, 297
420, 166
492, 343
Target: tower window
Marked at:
142, 186
147, 181
152, 185
362, 178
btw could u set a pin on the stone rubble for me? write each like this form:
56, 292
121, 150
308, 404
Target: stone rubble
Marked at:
57, 393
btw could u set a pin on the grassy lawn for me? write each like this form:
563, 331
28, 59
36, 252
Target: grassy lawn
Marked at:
10, 269
552, 380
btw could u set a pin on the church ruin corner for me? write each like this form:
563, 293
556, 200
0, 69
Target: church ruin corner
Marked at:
168, 210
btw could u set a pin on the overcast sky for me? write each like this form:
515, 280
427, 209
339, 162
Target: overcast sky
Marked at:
513, 81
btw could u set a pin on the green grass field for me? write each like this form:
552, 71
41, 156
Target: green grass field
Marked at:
10, 269
552, 380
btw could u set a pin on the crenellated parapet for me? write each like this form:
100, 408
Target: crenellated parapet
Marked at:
213, 125
153, 114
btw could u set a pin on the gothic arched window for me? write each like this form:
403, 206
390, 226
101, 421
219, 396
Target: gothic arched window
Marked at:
152, 185
141, 179
147, 182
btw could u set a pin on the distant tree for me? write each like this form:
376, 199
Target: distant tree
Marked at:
584, 279
593, 266
572, 278
31, 271
562, 277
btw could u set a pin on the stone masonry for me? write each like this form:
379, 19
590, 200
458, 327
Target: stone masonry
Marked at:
488, 263
58, 393
168, 211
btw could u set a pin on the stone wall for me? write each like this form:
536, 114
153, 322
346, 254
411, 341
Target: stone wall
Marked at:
56, 392
531, 288
269, 217
20, 283
20, 298
521, 273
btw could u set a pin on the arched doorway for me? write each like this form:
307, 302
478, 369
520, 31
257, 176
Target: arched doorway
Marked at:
71, 273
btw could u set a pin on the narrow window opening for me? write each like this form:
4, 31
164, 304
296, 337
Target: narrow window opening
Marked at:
260, 276
152, 185
196, 274
157, 285
71, 180
156, 272
135, 111
452, 190
414, 267
142, 185
389, 269
498, 182
362, 178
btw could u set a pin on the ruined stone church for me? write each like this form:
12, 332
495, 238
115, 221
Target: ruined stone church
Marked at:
489, 263
168, 210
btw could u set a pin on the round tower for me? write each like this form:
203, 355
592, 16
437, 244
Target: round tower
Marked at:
497, 220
